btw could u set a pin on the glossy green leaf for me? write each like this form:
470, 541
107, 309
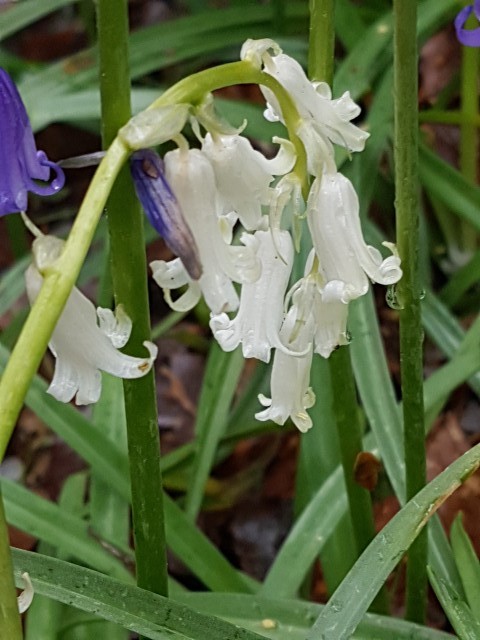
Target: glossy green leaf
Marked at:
219, 384
65, 531
457, 610
448, 185
146, 613
351, 600
306, 538
468, 565
24, 13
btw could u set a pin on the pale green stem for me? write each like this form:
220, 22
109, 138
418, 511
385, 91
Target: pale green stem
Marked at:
58, 282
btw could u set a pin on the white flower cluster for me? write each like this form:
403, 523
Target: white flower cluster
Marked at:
226, 182
199, 198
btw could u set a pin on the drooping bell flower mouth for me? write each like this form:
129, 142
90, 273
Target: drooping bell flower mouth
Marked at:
20, 162
468, 37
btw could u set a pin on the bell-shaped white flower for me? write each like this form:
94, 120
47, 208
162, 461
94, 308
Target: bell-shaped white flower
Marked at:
260, 314
289, 384
330, 325
243, 175
191, 177
324, 120
323, 323
345, 259
81, 346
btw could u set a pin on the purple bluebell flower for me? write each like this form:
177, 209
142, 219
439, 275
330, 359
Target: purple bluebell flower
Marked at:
20, 162
469, 37
163, 210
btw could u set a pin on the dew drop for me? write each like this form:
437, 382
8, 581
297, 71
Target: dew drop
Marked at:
392, 298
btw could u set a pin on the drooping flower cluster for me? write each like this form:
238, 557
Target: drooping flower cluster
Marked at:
240, 207
230, 216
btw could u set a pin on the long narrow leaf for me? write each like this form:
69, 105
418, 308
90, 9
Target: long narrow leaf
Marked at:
457, 610
145, 612
351, 600
141, 611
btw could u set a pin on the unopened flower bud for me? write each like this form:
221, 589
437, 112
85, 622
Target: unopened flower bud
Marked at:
163, 210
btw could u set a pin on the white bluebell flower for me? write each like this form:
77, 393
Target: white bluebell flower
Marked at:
84, 341
291, 394
243, 175
257, 323
323, 120
347, 262
192, 179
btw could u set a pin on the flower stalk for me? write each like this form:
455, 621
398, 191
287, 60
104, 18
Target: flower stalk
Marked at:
10, 623
128, 262
408, 290
469, 134
321, 61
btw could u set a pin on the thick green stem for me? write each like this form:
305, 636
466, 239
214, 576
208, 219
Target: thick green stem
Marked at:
350, 440
10, 624
129, 275
320, 66
408, 290
469, 133
322, 41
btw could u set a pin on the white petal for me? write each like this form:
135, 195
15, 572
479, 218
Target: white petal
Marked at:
319, 149
192, 179
169, 275
291, 395
225, 331
116, 326
382, 271
260, 313
331, 326
25, 599
243, 175
328, 221
81, 348
254, 50
187, 300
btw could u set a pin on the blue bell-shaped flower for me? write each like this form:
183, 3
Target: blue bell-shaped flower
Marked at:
20, 162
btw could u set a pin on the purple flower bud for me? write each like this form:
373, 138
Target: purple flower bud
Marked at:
469, 37
163, 210
20, 162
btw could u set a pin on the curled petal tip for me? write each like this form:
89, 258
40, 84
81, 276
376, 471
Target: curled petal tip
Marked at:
468, 37
25, 599
22, 165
